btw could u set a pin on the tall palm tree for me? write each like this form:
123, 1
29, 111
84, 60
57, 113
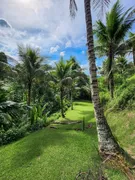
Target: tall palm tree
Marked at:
63, 75
30, 68
4, 66
76, 74
110, 36
132, 45
107, 142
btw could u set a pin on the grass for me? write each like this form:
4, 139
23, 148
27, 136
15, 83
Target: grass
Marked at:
123, 127
54, 154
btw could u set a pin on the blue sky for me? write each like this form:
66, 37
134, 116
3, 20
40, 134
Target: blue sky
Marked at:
46, 24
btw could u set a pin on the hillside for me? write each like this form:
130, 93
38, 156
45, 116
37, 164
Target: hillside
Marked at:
123, 127
54, 153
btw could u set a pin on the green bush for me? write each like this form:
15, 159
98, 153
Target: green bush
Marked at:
37, 114
41, 123
124, 97
12, 134
53, 117
104, 98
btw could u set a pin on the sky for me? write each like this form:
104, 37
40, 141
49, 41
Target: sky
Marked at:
46, 24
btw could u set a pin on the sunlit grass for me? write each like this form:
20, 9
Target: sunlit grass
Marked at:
54, 154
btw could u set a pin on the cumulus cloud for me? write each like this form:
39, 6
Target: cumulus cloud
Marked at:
42, 27
68, 44
62, 54
40, 23
54, 49
53, 62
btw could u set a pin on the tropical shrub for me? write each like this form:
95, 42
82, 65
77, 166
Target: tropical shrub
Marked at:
104, 98
12, 134
124, 97
37, 114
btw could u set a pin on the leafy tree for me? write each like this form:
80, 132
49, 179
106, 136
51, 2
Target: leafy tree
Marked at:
110, 36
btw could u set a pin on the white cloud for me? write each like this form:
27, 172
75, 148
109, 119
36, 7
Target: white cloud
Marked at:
52, 62
62, 54
42, 27
54, 49
68, 44
40, 23
85, 66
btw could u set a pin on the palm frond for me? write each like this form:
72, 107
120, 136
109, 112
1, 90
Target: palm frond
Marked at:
10, 108
101, 32
73, 8
101, 51
101, 5
67, 81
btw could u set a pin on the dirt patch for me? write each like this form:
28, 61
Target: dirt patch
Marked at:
131, 115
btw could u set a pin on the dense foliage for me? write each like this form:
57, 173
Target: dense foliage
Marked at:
110, 38
32, 91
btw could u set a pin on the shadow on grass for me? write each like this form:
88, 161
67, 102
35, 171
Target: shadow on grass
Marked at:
81, 104
34, 145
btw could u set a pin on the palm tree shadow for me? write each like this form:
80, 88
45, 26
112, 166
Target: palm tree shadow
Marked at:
34, 145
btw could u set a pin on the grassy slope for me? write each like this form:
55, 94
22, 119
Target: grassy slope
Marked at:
52, 154
123, 127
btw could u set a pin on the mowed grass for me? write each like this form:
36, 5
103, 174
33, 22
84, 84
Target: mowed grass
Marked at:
54, 154
51, 153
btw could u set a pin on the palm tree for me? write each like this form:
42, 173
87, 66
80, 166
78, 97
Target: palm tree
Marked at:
132, 45
107, 142
4, 66
30, 68
76, 74
110, 36
63, 75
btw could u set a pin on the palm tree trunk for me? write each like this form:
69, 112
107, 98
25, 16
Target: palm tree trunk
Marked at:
111, 84
107, 142
111, 77
71, 100
134, 56
61, 102
29, 94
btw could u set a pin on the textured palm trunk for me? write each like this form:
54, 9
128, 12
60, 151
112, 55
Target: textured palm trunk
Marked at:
29, 94
111, 77
71, 100
111, 85
134, 55
61, 102
107, 142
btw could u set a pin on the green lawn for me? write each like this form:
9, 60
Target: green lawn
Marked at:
54, 154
